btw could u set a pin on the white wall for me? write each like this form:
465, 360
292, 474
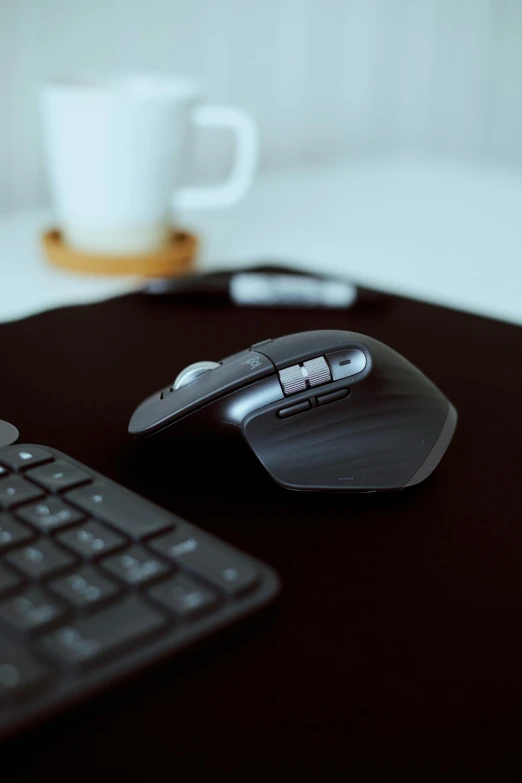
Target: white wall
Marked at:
324, 78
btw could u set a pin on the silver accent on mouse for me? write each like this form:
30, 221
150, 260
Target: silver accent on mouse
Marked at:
193, 372
317, 371
299, 376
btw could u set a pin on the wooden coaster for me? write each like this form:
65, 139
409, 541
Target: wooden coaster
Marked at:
176, 258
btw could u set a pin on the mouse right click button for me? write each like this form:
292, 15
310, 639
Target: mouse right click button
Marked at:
345, 363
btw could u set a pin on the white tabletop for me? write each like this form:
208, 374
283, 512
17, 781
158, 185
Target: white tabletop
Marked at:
443, 232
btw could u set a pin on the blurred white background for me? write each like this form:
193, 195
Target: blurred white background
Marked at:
391, 134
325, 79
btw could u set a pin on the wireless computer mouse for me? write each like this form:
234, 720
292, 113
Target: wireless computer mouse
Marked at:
322, 410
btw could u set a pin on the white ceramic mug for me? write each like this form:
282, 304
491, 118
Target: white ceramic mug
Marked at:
116, 151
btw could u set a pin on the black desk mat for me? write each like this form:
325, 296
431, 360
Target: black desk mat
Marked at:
397, 641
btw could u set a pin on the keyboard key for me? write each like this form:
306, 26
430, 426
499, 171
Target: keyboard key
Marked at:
227, 571
20, 458
12, 532
20, 673
85, 587
40, 560
121, 626
8, 581
133, 516
184, 597
136, 566
92, 540
15, 490
59, 476
31, 610
49, 514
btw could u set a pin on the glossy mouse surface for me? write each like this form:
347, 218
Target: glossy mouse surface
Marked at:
323, 410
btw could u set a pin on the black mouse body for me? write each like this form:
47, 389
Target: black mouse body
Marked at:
323, 410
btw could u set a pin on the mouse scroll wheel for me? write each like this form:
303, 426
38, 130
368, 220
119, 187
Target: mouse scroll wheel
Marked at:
303, 376
193, 372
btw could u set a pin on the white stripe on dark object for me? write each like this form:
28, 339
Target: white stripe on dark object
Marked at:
275, 290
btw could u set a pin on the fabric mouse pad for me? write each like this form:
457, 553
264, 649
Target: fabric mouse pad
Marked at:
397, 639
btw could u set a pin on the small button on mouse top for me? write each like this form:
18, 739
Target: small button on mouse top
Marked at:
343, 364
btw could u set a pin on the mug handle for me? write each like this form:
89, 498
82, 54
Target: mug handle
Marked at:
243, 168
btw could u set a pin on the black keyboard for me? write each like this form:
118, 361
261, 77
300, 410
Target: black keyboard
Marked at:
96, 583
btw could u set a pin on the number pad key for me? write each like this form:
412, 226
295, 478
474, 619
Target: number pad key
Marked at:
31, 610
212, 561
126, 624
59, 476
136, 566
50, 514
131, 515
20, 672
40, 560
8, 581
92, 540
184, 597
86, 587
12, 532
15, 489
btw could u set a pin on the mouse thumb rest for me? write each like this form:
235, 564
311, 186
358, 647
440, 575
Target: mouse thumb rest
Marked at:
348, 446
